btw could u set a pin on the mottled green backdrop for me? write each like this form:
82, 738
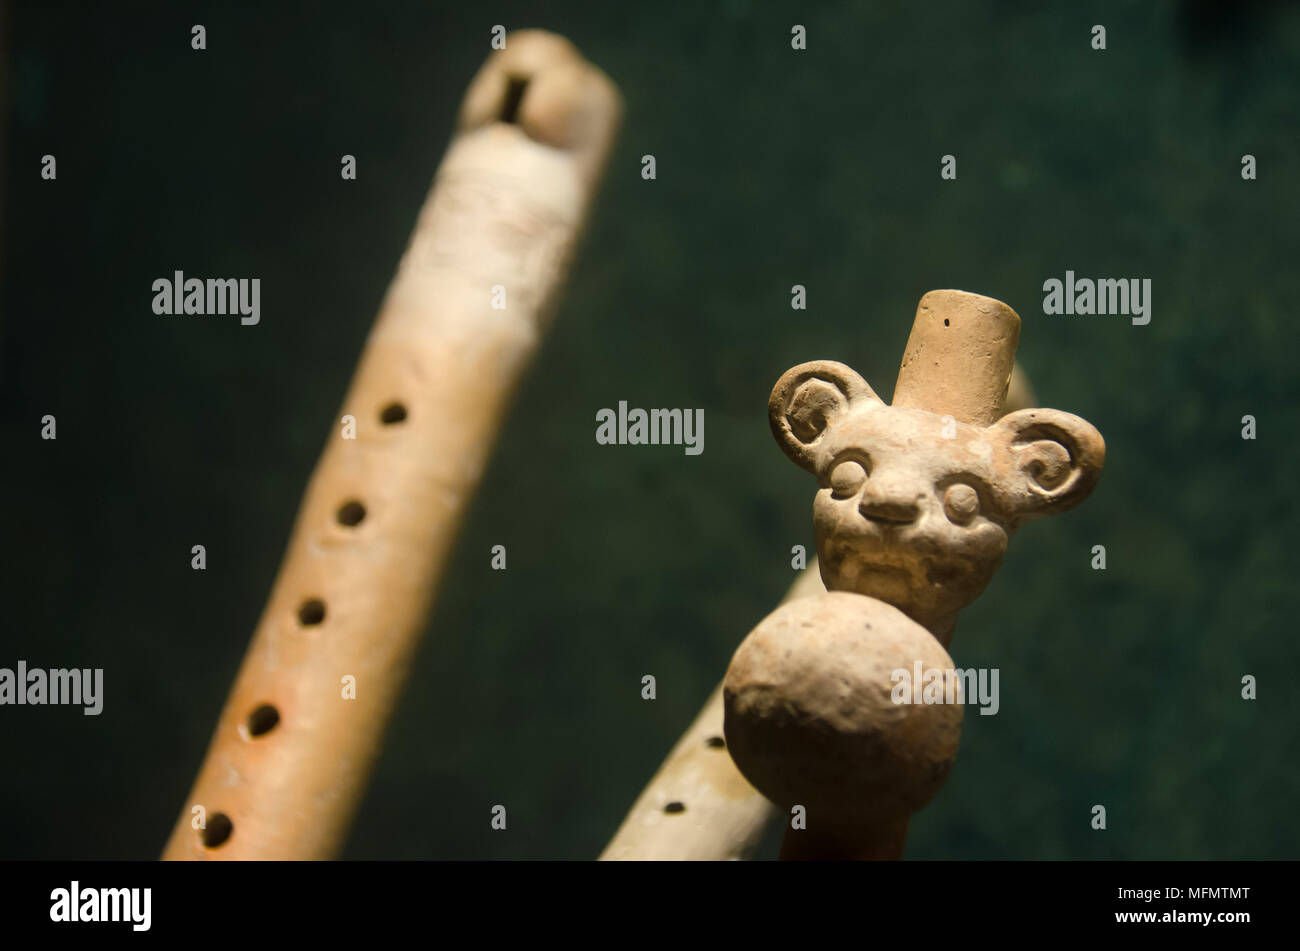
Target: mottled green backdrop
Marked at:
775, 167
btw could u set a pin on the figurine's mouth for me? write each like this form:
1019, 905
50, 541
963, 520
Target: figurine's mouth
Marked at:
888, 556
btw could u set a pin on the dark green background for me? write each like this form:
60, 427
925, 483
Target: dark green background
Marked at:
775, 167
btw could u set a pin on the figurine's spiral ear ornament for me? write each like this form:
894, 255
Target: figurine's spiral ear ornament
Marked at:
807, 399
1051, 461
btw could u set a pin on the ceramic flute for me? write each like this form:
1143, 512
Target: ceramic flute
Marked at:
472, 296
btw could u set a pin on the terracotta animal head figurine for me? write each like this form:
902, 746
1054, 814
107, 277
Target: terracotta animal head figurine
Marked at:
916, 503
915, 508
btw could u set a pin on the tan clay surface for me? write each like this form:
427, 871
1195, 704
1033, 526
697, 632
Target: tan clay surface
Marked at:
958, 359
811, 721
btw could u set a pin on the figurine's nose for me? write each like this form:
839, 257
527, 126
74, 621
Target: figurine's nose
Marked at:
890, 503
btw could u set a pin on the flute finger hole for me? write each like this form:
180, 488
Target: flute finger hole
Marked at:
351, 513
311, 612
263, 720
392, 413
217, 831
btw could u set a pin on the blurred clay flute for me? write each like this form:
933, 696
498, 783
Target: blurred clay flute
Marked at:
474, 291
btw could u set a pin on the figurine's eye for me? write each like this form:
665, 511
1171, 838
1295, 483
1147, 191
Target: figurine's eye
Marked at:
847, 477
961, 503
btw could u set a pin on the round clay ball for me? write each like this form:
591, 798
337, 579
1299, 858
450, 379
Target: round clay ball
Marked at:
811, 717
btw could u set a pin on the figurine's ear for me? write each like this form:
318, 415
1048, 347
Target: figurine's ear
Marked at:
807, 399
1052, 460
